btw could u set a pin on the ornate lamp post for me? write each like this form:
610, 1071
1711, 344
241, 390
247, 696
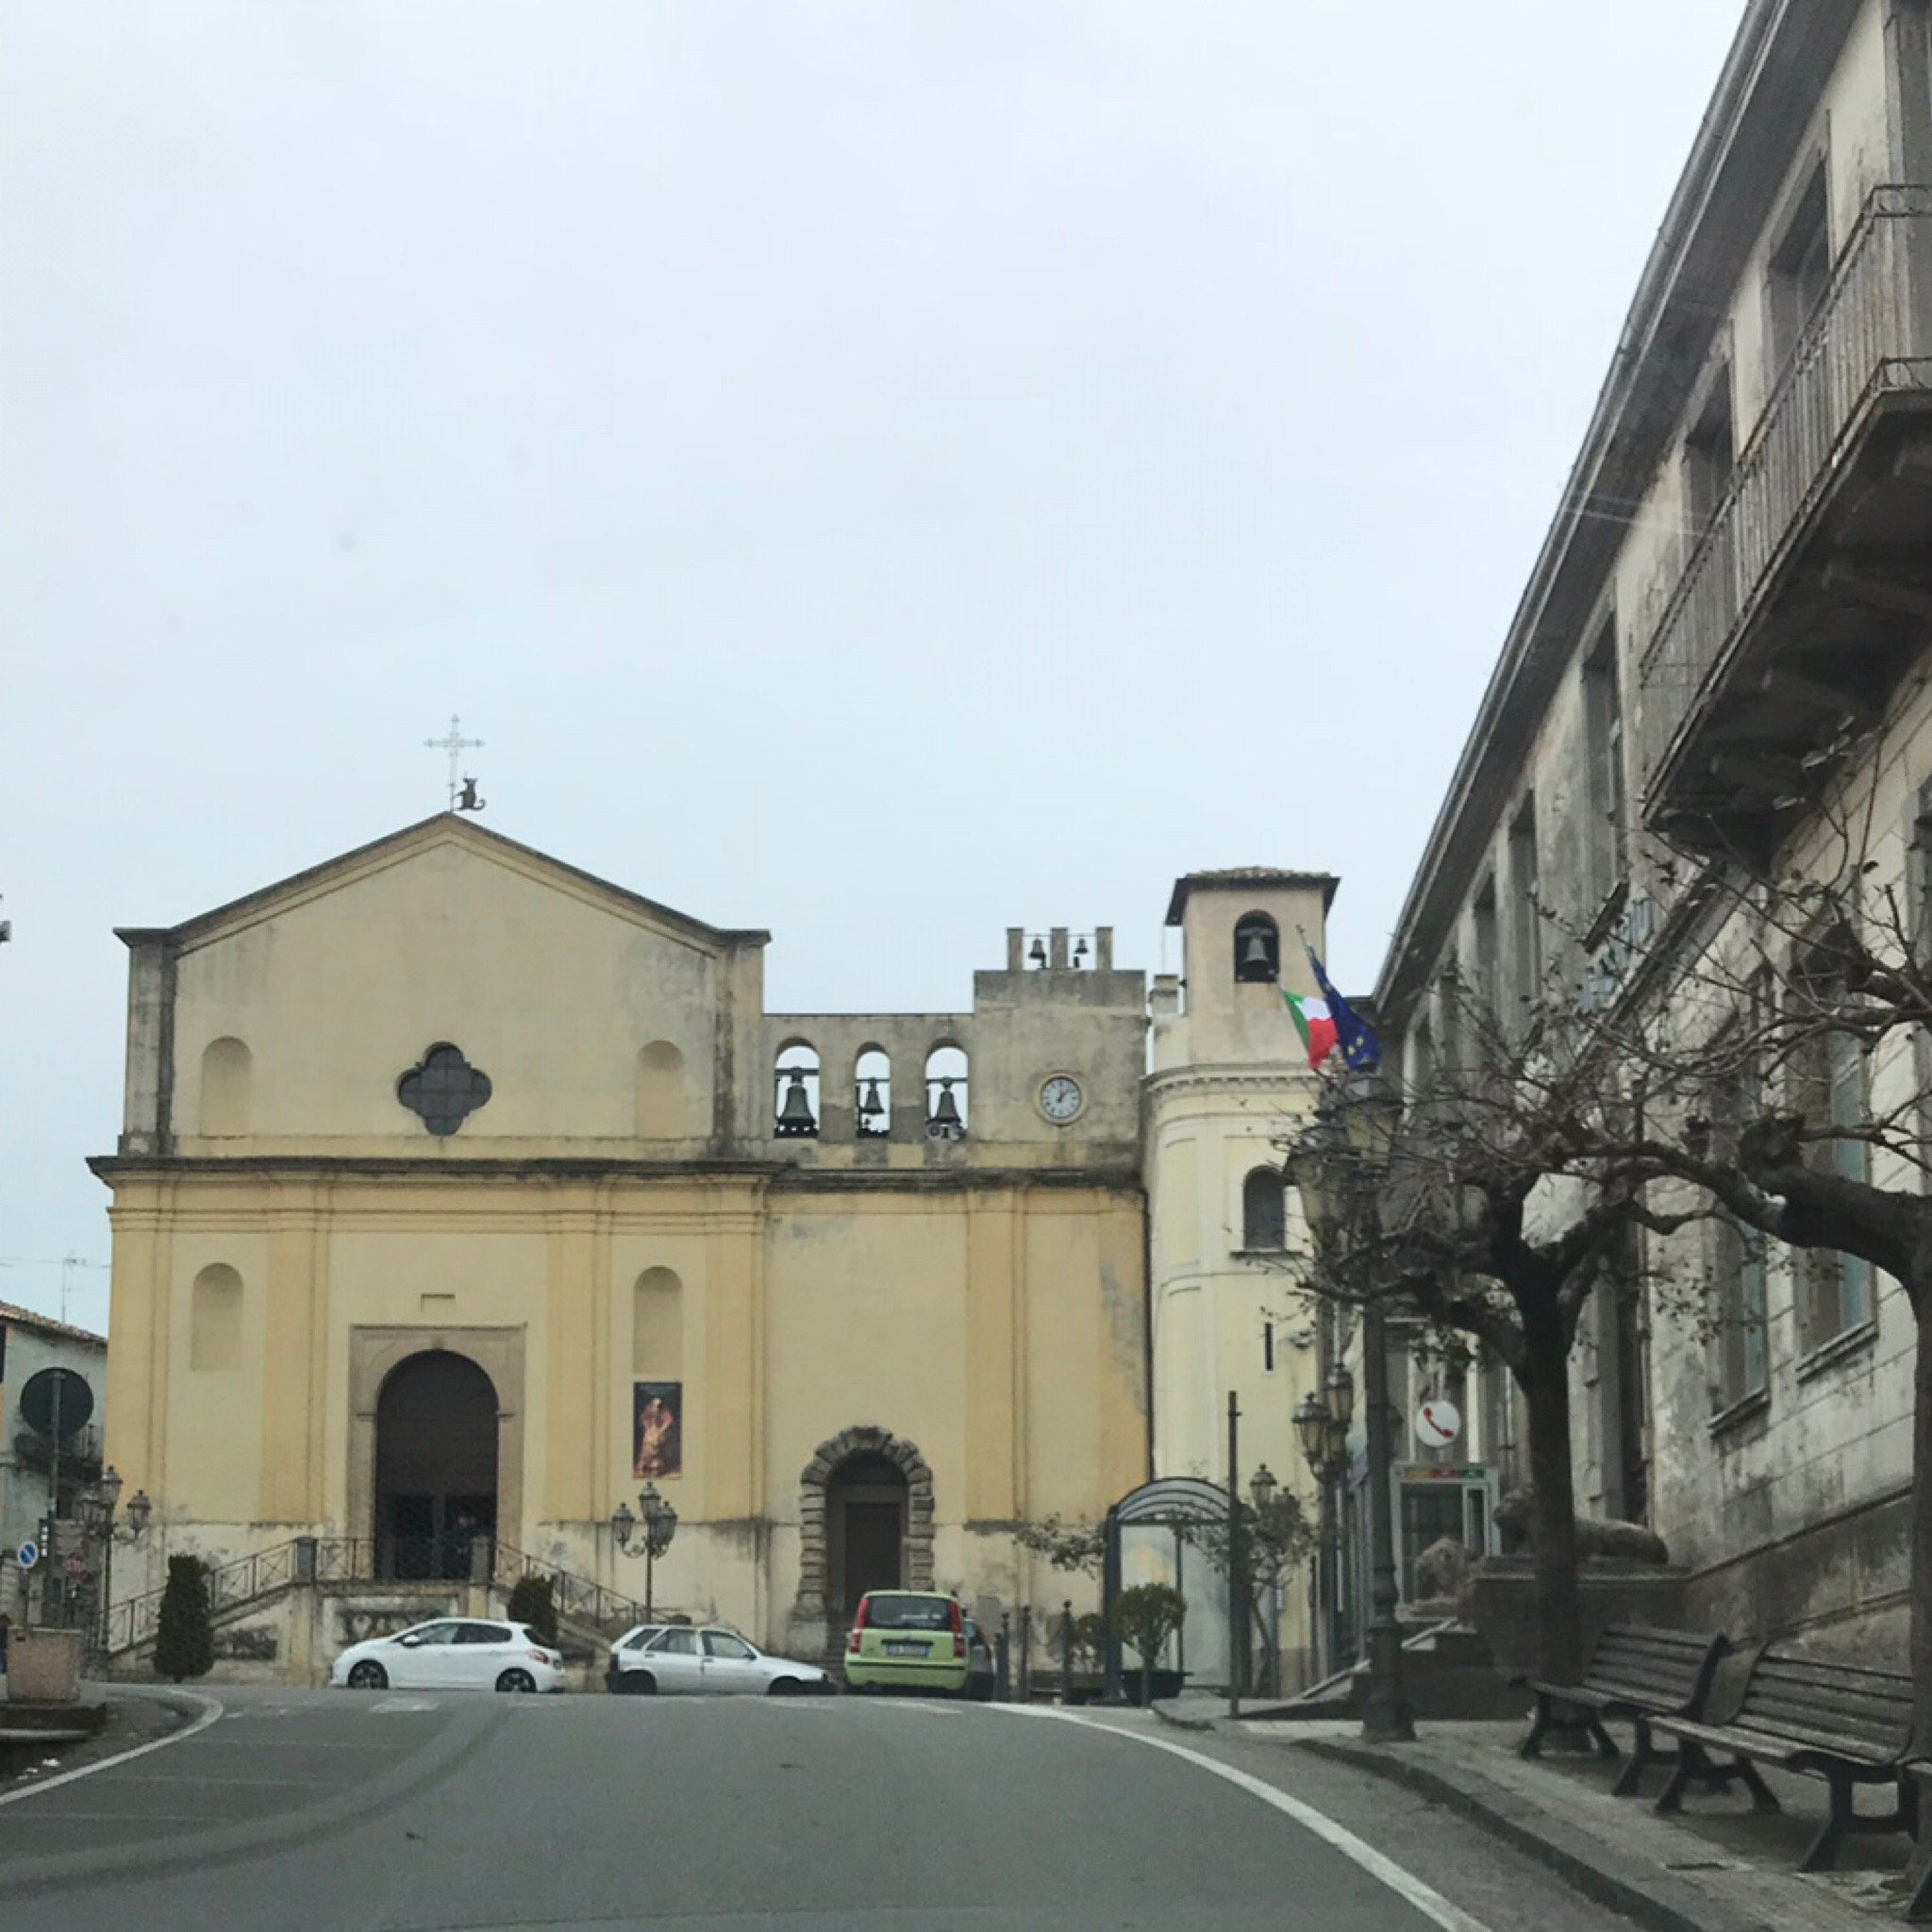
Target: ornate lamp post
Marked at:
1340, 1164
1322, 1422
97, 1508
653, 1528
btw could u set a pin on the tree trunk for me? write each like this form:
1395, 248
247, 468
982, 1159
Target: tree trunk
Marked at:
1545, 1381
1920, 1294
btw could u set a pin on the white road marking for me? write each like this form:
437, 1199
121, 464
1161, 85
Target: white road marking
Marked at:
388, 1703
1378, 1865
212, 1709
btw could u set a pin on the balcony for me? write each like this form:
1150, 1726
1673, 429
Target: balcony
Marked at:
1794, 617
80, 1453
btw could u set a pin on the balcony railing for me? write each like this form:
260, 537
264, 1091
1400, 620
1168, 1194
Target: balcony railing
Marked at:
1865, 342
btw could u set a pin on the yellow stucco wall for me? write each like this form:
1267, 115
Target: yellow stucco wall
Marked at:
983, 1300
998, 1332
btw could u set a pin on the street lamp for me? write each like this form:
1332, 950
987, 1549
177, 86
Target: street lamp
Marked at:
652, 1532
1340, 1164
1261, 1487
97, 1506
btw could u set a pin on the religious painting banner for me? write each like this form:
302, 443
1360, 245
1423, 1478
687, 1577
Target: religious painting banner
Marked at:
656, 1428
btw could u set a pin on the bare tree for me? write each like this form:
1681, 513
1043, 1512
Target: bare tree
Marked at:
1776, 1028
1473, 1212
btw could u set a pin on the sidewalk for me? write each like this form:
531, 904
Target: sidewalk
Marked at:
1717, 1866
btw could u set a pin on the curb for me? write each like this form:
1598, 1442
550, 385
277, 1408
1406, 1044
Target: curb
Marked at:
1647, 1895
1178, 1722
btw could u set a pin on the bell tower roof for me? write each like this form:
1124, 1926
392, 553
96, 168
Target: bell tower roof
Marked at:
1239, 878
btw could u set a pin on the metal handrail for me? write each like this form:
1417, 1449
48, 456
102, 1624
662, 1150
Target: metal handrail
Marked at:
1868, 339
134, 1621
581, 1597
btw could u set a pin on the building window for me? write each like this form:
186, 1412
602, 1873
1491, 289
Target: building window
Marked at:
1918, 937
1736, 1261
443, 1090
1738, 1273
1603, 723
1799, 274
1525, 897
1264, 1210
1257, 949
1482, 928
1711, 454
1837, 1289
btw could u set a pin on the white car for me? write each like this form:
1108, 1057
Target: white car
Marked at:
678, 1661
452, 1654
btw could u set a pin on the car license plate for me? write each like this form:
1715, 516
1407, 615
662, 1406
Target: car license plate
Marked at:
907, 1650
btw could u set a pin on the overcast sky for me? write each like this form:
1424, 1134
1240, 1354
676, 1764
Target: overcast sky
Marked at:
879, 472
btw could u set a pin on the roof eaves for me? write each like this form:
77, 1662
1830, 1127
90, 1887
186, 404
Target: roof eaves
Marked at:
1618, 451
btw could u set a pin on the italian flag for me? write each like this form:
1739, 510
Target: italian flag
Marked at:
1315, 1024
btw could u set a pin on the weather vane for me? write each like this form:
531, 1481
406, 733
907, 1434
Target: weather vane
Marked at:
462, 789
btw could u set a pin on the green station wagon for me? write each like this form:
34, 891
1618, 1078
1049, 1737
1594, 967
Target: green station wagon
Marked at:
911, 1638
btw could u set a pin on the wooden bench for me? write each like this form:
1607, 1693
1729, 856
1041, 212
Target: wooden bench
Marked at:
1849, 1723
1637, 1672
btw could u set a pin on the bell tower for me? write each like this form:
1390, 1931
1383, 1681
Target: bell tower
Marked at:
1230, 1085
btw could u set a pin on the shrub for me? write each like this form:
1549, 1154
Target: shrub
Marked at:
184, 1635
1145, 1617
532, 1601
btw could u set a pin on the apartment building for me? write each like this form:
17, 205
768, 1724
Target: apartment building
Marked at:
1722, 646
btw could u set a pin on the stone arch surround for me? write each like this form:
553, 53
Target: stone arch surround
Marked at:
811, 1615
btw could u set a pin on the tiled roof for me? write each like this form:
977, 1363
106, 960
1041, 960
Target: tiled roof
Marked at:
27, 1318
1247, 875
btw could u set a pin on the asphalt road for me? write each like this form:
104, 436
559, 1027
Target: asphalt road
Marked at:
416, 1813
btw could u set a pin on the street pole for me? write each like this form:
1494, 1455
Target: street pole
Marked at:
1236, 1618
1386, 1717
650, 1564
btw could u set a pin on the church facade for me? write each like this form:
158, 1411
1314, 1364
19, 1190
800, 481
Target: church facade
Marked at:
461, 1194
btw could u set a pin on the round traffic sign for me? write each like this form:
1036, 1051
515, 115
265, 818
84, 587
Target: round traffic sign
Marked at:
29, 1554
1437, 1422
55, 1402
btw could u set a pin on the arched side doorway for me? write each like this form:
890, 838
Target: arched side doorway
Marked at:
436, 1466
865, 1530
845, 1491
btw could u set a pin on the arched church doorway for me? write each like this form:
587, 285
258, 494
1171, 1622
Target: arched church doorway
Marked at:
435, 1466
866, 1501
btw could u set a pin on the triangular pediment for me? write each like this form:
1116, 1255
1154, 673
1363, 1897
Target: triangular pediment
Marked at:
413, 843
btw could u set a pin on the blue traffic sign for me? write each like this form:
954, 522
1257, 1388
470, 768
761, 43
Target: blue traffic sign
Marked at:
29, 1554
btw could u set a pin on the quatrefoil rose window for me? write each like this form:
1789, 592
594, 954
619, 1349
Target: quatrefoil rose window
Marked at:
444, 1089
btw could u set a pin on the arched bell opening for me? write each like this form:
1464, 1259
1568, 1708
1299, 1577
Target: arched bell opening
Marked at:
947, 1100
796, 1098
1257, 949
871, 1092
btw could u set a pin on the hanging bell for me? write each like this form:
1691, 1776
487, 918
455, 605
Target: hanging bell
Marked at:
945, 1114
1256, 961
795, 1114
869, 1105
1037, 954
1080, 952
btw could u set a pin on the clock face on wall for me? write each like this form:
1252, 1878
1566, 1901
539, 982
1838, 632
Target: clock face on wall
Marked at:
1060, 1099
